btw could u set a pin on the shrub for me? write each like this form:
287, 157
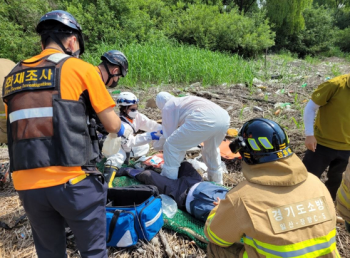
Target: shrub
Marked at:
18, 19
206, 27
342, 39
318, 35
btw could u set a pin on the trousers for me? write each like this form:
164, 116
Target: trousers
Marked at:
317, 162
81, 206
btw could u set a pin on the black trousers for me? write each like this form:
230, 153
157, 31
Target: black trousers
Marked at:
177, 189
317, 162
81, 205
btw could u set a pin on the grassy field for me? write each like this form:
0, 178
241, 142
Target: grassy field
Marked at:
166, 62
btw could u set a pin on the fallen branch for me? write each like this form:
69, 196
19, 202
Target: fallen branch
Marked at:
262, 100
341, 244
228, 102
168, 250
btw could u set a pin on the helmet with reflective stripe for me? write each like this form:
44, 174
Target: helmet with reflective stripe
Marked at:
62, 18
117, 58
127, 99
261, 140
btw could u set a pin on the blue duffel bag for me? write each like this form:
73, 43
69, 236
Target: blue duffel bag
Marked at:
133, 213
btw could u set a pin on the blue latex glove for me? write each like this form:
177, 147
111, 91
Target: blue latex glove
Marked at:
124, 133
154, 136
122, 130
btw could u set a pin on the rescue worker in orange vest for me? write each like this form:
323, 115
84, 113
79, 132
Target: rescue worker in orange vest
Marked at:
343, 198
52, 139
281, 210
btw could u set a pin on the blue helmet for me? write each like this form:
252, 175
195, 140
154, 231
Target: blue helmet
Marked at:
261, 140
62, 18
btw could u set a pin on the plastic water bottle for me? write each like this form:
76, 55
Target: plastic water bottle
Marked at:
169, 206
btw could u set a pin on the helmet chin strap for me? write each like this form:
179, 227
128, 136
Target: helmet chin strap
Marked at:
110, 76
76, 53
65, 50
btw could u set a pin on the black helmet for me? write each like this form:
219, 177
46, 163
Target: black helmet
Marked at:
63, 18
117, 58
261, 140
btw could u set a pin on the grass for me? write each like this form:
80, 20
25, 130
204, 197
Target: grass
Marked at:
170, 63
297, 124
165, 62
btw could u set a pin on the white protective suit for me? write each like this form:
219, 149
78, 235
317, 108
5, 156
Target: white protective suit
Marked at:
137, 145
187, 122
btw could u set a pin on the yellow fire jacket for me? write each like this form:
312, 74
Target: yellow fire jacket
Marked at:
281, 210
343, 196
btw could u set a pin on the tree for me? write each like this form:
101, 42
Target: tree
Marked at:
340, 10
332, 3
319, 34
244, 6
18, 19
287, 15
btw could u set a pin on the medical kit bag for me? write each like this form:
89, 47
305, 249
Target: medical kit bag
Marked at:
133, 213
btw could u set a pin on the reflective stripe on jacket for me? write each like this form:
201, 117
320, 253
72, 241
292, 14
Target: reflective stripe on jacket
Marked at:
244, 213
310, 248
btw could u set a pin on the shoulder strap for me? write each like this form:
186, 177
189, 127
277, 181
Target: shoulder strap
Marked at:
56, 58
112, 224
126, 121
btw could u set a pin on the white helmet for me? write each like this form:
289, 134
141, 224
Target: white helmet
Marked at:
127, 99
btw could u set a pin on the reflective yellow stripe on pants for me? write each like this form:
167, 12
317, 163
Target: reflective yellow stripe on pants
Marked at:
306, 249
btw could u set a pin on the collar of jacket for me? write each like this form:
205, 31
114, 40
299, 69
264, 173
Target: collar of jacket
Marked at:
283, 172
348, 80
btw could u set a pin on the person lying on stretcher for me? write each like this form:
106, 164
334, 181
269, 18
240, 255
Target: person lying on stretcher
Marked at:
189, 191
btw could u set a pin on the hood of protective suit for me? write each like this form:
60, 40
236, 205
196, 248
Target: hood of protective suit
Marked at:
162, 98
283, 172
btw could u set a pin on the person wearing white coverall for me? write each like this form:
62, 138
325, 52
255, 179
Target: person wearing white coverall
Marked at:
187, 122
135, 145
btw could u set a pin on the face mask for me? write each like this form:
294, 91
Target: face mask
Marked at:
132, 114
114, 84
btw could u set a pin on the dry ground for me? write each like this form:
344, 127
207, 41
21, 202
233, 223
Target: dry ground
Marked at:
243, 102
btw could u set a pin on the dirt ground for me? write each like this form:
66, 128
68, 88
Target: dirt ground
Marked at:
243, 102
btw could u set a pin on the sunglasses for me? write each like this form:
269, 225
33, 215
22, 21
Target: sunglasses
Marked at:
133, 109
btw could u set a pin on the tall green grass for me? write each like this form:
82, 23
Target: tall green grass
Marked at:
170, 63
